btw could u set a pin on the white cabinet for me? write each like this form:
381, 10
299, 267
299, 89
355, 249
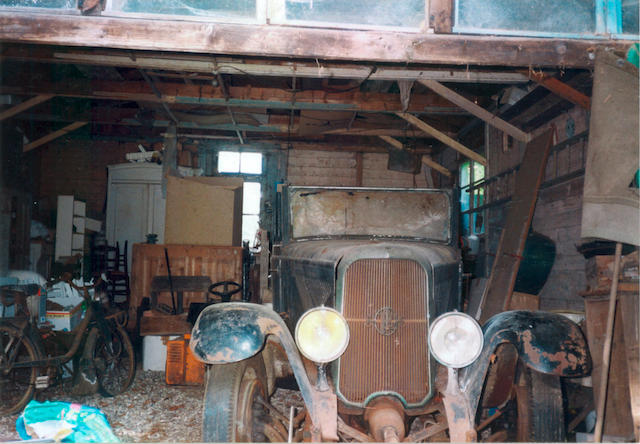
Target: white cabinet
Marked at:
135, 206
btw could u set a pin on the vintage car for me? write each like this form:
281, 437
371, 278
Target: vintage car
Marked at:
366, 315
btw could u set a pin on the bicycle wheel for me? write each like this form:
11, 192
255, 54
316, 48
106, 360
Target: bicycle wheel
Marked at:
115, 362
16, 384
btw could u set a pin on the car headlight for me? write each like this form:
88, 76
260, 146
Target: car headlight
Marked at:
322, 334
455, 339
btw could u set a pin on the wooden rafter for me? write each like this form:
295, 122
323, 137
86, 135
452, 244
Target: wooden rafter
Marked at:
427, 160
17, 109
561, 89
300, 42
443, 138
238, 96
54, 135
476, 110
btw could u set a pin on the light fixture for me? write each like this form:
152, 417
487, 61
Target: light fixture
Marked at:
322, 334
455, 339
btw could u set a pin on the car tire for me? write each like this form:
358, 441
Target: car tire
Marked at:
232, 411
540, 413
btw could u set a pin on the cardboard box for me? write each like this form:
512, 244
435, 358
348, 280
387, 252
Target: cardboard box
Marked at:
65, 320
204, 211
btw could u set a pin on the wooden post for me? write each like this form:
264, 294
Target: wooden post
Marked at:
606, 352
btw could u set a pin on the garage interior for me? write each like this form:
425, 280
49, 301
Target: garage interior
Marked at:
151, 143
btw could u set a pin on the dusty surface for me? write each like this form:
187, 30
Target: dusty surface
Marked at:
150, 411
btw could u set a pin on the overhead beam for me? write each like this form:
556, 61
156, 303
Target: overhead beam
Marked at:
476, 110
17, 109
561, 89
298, 42
427, 160
188, 63
238, 96
443, 138
54, 135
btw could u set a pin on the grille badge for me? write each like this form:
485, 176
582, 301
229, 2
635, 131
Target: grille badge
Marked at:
385, 321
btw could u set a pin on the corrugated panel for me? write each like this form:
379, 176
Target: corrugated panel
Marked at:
385, 304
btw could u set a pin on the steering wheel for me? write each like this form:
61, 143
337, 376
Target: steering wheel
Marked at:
229, 289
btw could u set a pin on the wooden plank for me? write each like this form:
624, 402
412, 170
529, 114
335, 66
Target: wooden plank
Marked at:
190, 63
300, 42
17, 109
499, 289
618, 421
219, 263
238, 96
156, 324
427, 160
441, 15
476, 110
443, 138
630, 307
561, 89
54, 135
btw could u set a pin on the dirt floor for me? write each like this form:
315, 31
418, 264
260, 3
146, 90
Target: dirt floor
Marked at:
150, 411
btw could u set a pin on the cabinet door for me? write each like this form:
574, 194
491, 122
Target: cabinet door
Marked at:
128, 207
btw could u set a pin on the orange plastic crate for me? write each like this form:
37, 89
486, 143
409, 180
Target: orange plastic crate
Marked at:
182, 367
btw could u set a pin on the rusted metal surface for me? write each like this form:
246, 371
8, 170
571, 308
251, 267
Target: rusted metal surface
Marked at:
229, 332
500, 376
460, 413
385, 305
385, 416
547, 342
331, 212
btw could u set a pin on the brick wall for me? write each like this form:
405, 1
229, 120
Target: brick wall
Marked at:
76, 167
330, 168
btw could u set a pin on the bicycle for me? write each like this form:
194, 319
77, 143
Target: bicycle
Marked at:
99, 345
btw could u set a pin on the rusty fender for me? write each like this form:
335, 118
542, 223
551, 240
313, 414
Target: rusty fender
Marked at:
233, 331
547, 342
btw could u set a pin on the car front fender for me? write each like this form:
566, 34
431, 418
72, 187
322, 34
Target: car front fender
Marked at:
233, 331
547, 342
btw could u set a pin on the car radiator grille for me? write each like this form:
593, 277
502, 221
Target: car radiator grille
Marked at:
385, 305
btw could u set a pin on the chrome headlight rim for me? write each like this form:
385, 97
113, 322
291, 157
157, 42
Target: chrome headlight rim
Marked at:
339, 352
472, 323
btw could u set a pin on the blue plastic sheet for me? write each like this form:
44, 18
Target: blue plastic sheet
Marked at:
65, 422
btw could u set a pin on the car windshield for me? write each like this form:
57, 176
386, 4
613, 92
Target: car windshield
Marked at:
337, 212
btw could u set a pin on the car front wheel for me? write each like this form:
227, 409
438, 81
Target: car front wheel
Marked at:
235, 403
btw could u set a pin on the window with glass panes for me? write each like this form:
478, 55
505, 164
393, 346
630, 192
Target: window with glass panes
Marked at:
471, 197
249, 166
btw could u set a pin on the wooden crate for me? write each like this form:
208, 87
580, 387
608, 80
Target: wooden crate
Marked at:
220, 263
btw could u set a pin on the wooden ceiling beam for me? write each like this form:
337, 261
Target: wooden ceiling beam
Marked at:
30, 103
427, 160
52, 136
443, 138
476, 110
561, 89
238, 96
298, 42
203, 67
